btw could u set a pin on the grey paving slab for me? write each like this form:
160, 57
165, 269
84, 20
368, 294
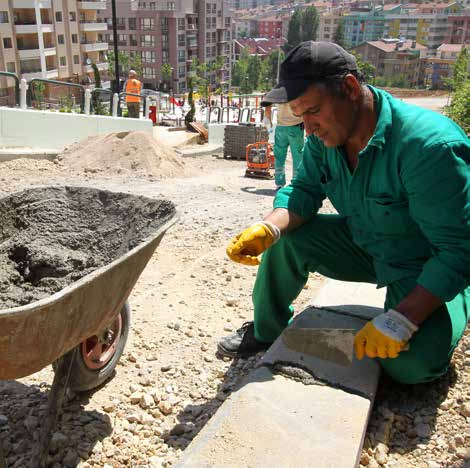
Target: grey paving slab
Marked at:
274, 421
363, 300
200, 150
296, 410
360, 377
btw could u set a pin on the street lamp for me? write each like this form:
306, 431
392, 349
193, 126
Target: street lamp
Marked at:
115, 42
246, 90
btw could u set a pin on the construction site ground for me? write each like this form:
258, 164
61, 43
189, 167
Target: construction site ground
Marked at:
169, 381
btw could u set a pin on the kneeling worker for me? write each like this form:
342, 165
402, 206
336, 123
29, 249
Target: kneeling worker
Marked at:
399, 178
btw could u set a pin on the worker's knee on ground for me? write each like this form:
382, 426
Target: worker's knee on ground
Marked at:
413, 369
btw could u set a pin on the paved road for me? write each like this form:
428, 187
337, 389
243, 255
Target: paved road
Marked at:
433, 103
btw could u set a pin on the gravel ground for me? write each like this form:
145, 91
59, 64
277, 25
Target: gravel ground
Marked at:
170, 382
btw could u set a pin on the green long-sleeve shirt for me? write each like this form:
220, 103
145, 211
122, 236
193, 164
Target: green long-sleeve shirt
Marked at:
408, 201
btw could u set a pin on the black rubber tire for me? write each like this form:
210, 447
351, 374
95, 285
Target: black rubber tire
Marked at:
82, 378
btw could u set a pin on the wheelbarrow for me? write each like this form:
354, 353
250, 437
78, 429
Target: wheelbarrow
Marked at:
81, 328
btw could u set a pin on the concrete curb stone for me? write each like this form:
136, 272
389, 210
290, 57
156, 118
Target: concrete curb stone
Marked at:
274, 420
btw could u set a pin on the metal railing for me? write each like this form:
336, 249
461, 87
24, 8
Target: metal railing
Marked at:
17, 84
96, 99
58, 83
236, 112
142, 97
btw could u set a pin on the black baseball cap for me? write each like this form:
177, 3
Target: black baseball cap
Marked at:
306, 63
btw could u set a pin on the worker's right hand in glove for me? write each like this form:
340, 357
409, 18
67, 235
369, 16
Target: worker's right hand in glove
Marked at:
252, 242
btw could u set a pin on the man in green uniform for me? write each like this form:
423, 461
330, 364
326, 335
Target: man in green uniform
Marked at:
399, 178
289, 133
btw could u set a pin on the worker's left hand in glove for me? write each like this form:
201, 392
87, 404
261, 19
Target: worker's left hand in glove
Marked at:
385, 336
252, 242
267, 122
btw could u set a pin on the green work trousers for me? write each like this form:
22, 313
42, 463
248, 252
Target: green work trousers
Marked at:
325, 245
284, 137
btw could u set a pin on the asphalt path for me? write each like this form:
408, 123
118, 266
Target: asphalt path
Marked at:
432, 103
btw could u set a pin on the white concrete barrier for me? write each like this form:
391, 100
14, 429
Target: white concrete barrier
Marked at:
21, 128
216, 133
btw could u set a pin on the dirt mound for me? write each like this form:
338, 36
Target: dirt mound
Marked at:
123, 153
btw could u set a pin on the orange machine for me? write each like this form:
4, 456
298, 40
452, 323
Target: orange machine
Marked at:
259, 160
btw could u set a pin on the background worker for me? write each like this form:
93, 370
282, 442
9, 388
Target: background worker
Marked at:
133, 86
399, 178
289, 133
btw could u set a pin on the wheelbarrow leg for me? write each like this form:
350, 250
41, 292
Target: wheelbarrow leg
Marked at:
56, 400
3, 462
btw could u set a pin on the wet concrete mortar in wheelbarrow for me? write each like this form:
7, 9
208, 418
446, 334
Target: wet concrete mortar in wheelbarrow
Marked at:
53, 236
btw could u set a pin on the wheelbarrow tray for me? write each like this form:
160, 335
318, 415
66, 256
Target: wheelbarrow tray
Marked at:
35, 335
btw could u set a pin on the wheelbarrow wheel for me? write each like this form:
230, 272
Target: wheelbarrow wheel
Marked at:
97, 356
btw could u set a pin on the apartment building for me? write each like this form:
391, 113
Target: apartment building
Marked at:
260, 46
270, 27
394, 57
54, 39
174, 32
459, 28
247, 4
363, 26
439, 65
245, 26
424, 23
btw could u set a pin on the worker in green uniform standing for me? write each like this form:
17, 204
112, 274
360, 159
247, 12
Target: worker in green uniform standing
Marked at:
399, 178
289, 132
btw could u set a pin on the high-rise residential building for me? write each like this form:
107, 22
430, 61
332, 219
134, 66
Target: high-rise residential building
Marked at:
327, 26
425, 23
459, 28
55, 39
248, 4
175, 32
362, 26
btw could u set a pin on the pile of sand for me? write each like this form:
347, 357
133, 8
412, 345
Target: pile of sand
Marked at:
123, 153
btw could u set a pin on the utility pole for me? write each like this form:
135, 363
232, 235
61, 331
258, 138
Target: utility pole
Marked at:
115, 41
278, 61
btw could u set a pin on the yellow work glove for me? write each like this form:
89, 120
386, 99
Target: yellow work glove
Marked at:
384, 336
252, 242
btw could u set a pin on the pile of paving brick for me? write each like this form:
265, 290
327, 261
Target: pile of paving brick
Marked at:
237, 136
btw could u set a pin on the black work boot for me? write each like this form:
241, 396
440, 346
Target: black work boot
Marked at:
242, 343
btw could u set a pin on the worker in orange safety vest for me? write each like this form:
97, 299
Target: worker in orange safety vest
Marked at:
133, 86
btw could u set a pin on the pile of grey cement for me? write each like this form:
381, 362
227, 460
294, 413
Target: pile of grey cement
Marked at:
53, 236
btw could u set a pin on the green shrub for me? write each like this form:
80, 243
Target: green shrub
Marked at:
459, 108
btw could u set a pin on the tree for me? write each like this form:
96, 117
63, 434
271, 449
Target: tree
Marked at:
275, 58
253, 71
166, 72
310, 22
189, 117
338, 36
293, 31
126, 62
97, 105
459, 109
201, 73
240, 68
302, 27
460, 70
367, 69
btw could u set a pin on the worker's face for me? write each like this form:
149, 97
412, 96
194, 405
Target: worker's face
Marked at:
329, 117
